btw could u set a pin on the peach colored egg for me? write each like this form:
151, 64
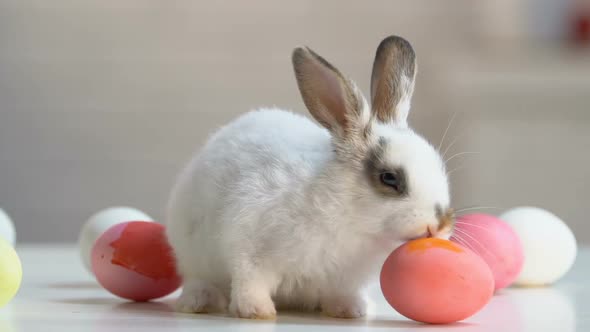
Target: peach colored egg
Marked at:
436, 281
133, 260
493, 240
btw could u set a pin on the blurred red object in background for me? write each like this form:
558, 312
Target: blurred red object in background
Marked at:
580, 24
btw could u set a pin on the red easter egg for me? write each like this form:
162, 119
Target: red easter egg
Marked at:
133, 260
493, 240
436, 281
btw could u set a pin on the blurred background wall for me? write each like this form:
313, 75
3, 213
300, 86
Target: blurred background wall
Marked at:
102, 102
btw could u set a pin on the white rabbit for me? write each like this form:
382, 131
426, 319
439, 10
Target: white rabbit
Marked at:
276, 211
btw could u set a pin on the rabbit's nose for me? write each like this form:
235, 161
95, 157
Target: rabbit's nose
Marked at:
446, 219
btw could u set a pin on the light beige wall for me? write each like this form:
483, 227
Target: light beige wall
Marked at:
101, 102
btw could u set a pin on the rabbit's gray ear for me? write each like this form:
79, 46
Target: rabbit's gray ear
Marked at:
392, 80
333, 100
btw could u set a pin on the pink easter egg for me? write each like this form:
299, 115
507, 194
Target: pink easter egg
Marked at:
494, 241
436, 281
134, 261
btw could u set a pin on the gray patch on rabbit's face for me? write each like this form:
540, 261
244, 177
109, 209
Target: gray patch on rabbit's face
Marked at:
375, 165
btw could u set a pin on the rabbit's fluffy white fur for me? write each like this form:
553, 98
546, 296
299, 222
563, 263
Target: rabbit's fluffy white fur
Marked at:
276, 211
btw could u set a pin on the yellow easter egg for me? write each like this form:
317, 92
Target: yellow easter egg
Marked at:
11, 272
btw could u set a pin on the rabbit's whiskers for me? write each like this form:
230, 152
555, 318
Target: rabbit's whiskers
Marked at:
442, 140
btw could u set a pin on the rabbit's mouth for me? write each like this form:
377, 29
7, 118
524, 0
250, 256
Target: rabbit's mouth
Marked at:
426, 234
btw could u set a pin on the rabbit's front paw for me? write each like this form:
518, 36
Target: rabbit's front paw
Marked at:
252, 304
200, 297
344, 306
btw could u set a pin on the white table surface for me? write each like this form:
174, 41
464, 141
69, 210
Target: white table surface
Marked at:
58, 295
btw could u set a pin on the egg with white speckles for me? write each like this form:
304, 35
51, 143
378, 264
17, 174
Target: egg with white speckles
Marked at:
549, 245
98, 223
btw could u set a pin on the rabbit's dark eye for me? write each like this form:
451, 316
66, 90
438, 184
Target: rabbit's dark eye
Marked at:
390, 180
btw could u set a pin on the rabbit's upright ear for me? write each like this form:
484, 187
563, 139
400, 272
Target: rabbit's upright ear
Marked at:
333, 100
392, 80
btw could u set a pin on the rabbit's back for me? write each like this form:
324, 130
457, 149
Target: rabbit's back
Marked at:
261, 153
268, 139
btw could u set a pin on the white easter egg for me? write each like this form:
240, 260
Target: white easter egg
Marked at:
7, 231
549, 245
98, 223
